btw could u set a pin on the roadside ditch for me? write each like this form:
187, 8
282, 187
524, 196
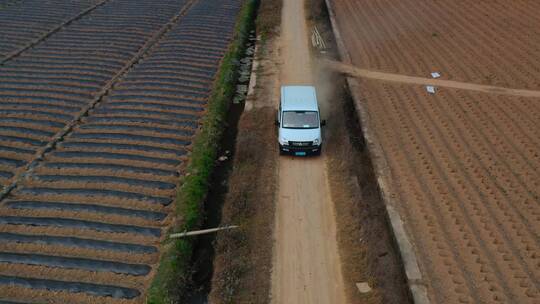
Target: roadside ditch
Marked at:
204, 252
186, 264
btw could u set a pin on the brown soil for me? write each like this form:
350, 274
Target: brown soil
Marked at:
365, 241
483, 42
82, 233
463, 165
64, 274
91, 254
29, 295
105, 172
137, 163
98, 217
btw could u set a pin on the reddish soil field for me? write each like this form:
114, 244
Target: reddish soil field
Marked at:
463, 166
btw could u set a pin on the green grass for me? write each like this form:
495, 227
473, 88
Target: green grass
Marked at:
173, 272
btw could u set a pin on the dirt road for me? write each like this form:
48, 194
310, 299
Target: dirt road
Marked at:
364, 73
306, 261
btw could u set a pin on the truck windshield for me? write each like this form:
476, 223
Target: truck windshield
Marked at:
300, 119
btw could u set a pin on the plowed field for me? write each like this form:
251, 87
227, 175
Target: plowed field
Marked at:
98, 118
463, 166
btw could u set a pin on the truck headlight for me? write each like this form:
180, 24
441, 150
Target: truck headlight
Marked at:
316, 141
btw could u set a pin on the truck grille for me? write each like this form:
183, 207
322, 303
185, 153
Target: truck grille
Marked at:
300, 143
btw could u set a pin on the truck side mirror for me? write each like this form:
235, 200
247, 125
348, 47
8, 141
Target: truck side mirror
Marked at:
323, 122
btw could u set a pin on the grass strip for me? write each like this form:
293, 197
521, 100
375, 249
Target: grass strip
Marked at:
173, 272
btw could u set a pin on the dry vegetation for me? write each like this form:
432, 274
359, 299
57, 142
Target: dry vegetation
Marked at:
243, 261
243, 257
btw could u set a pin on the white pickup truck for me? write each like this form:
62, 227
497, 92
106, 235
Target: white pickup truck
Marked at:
298, 120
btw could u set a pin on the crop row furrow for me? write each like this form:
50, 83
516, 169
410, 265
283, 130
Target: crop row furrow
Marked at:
437, 173
80, 224
489, 208
99, 290
29, 21
51, 82
431, 221
77, 263
85, 207
112, 177
463, 166
75, 242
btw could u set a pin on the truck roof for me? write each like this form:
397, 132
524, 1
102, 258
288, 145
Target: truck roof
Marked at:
298, 98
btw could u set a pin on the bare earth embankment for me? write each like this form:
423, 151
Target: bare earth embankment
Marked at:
463, 165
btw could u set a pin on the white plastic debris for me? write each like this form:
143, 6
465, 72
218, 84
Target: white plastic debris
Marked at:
363, 287
435, 75
430, 89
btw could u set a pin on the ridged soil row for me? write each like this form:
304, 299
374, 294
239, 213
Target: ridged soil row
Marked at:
510, 173
446, 35
426, 214
112, 180
455, 186
464, 165
25, 22
409, 64
47, 86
